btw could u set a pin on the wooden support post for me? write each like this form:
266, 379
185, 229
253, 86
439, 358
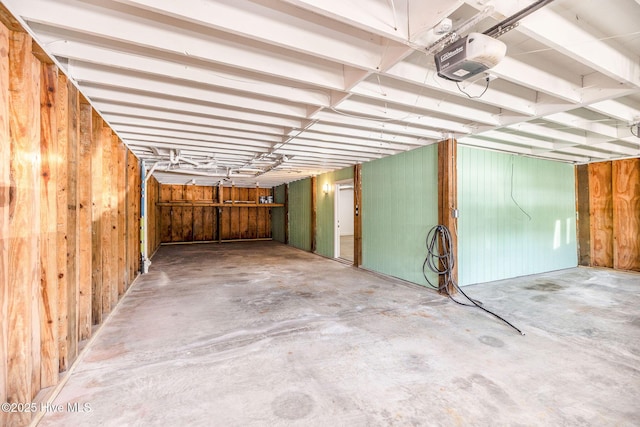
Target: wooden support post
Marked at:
49, 227
448, 199
85, 222
24, 225
62, 107
73, 225
314, 183
107, 244
219, 212
286, 214
357, 212
5, 183
96, 220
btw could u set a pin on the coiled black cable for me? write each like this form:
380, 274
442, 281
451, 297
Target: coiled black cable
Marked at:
440, 259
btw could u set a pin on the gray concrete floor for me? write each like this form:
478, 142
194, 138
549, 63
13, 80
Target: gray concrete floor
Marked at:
261, 334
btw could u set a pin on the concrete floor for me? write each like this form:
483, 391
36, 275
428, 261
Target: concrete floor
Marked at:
261, 334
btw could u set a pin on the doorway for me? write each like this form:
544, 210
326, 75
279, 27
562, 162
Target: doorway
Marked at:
344, 223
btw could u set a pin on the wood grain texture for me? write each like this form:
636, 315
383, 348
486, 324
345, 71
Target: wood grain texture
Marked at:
121, 212
626, 214
115, 225
582, 207
23, 367
601, 214
96, 220
189, 213
448, 198
5, 184
132, 216
49, 368
108, 269
73, 224
62, 107
85, 222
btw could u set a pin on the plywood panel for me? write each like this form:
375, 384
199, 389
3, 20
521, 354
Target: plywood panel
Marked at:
62, 107
85, 217
176, 224
209, 223
234, 230
132, 228
252, 223
166, 231
73, 221
187, 224
108, 269
138, 217
5, 162
96, 219
626, 214
601, 214
582, 207
198, 223
23, 368
122, 229
49, 227
155, 218
225, 223
116, 242
165, 224
189, 193
165, 193
208, 194
177, 192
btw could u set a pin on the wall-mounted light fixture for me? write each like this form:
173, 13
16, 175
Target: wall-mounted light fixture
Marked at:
325, 188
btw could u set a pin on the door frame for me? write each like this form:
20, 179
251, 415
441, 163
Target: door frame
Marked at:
336, 214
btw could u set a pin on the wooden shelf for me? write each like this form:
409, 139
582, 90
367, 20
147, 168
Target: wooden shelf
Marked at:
221, 205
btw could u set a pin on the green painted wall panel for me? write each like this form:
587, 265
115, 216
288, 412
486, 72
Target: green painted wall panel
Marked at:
517, 216
399, 207
300, 214
278, 215
325, 210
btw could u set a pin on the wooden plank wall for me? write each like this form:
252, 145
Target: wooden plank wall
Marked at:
583, 222
5, 161
153, 215
56, 207
191, 213
626, 214
612, 212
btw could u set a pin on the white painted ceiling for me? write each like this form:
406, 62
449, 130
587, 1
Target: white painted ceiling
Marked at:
269, 91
